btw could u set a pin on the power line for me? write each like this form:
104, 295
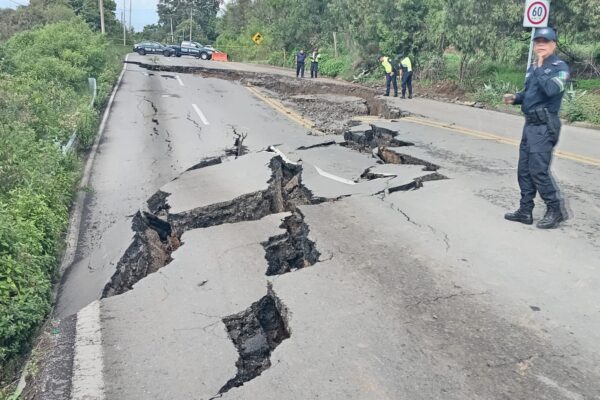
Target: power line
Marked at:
17, 3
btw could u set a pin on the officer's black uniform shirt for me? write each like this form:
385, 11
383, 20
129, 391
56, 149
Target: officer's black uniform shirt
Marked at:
544, 86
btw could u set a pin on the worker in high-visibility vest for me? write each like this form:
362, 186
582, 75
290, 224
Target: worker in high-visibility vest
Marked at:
314, 63
407, 72
391, 75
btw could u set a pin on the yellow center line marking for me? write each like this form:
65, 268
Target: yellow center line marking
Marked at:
500, 139
294, 116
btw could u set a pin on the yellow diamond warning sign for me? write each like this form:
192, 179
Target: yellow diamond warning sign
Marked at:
257, 38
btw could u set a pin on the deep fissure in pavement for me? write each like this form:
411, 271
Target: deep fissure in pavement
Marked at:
158, 233
284, 193
416, 183
300, 91
291, 250
150, 250
256, 332
363, 138
390, 156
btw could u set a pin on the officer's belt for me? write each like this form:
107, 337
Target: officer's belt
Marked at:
539, 116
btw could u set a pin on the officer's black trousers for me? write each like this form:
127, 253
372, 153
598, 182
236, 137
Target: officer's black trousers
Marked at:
300, 69
535, 157
407, 82
389, 80
314, 69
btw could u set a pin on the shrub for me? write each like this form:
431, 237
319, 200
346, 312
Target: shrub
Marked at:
581, 106
331, 66
43, 99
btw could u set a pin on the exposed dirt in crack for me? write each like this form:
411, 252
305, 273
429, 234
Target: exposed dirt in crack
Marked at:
158, 233
365, 139
151, 249
390, 156
292, 250
256, 332
284, 193
417, 183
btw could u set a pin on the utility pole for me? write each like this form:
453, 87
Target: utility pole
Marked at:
130, 27
335, 44
101, 7
191, 10
172, 38
124, 31
124, 26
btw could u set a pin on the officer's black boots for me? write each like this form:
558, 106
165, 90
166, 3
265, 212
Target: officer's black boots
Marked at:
552, 218
524, 217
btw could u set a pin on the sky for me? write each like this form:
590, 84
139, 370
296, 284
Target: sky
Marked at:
144, 11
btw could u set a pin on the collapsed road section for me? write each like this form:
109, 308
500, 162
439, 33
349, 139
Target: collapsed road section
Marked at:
228, 191
256, 185
331, 105
259, 184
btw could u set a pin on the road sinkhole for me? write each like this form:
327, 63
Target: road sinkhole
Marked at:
256, 332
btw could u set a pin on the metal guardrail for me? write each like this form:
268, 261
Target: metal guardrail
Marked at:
93, 85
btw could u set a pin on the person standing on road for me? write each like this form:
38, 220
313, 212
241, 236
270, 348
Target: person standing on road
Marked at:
540, 102
314, 63
407, 73
391, 75
300, 59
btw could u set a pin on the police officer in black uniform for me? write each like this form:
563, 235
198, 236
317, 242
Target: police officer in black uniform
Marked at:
540, 102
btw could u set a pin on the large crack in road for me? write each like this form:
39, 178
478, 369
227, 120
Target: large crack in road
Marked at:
258, 330
158, 232
330, 105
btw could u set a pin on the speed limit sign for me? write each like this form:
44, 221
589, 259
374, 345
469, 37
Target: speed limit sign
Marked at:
536, 13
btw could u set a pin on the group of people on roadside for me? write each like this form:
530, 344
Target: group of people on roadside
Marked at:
314, 63
402, 64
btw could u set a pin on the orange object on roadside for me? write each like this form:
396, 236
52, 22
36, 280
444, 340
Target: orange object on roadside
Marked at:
219, 56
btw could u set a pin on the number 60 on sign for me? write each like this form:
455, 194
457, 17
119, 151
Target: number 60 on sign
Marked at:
536, 13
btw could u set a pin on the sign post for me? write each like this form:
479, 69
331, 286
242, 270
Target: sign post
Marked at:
536, 16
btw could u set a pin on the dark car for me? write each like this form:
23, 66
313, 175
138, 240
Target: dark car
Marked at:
187, 48
152, 48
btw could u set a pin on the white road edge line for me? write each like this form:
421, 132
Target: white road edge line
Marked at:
202, 117
179, 80
87, 382
334, 177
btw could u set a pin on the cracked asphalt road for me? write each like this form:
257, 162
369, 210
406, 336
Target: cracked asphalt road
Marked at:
420, 293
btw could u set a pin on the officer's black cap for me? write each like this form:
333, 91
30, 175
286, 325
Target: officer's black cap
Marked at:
545, 33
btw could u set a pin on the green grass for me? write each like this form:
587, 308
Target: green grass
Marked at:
587, 84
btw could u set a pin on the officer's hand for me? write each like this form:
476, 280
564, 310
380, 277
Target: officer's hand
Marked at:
509, 98
540, 61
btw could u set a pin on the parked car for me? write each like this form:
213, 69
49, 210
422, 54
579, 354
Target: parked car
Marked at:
188, 48
152, 48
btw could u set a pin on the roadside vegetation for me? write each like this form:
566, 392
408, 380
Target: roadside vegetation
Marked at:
44, 99
470, 49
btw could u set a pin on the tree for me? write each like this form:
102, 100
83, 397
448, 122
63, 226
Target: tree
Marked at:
203, 14
37, 13
89, 11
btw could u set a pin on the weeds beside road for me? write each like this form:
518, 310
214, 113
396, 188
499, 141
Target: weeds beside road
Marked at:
44, 98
